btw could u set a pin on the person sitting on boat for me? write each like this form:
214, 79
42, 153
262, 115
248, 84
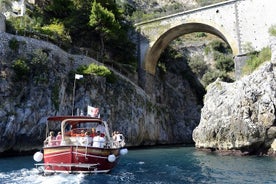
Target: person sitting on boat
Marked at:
93, 132
100, 128
82, 134
118, 138
86, 140
58, 138
114, 136
50, 140
98, 141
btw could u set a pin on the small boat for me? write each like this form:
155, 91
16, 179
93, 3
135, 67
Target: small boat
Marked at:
83, 145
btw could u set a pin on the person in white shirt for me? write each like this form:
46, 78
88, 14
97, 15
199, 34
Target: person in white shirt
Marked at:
98, 141
86, 140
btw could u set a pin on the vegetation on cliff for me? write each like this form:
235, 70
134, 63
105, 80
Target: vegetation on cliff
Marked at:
98, 29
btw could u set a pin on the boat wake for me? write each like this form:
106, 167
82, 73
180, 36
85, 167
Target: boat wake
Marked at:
33, 176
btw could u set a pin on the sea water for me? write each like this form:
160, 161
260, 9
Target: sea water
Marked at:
154, 166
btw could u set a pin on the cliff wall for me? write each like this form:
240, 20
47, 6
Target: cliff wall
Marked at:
167, 115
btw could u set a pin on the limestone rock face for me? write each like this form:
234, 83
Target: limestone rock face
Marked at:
240, 115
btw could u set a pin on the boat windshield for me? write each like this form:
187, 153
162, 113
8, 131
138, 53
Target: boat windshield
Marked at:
76, 130
73, 126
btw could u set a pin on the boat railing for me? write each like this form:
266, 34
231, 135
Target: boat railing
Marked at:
85, 141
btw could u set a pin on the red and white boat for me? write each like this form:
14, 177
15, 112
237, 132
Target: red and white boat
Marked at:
77, 149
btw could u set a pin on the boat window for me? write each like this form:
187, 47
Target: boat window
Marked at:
80, 128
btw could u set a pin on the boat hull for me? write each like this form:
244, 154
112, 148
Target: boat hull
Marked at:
79, 159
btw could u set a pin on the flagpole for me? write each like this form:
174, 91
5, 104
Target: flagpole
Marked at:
73, 101
77, 76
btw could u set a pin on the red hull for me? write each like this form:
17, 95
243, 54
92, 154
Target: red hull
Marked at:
78, 159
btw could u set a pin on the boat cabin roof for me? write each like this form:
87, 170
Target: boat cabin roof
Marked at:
74, 119
74, 124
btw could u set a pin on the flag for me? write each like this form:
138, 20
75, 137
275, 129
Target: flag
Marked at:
92, 111
78, 76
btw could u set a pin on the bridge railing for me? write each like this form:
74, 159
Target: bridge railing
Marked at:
141, 18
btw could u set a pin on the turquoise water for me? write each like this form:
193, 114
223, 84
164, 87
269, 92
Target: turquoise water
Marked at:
154, 166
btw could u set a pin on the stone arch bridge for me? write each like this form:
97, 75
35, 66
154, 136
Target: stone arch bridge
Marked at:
240, 23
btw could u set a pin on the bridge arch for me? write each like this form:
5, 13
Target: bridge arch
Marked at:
154, 51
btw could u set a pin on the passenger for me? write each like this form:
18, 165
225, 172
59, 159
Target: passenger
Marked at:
50, 140
82, 133
80, 137
114, 136
120, 139
93, 132
98, 141
58, 139
101, 129
86, 140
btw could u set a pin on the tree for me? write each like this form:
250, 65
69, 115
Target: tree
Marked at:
58, 9
104, 22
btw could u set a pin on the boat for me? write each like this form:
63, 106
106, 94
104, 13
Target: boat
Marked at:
83, 145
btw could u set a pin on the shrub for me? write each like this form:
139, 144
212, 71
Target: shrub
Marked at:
211, 76
224, 62
56, 32
256, 59
21, 69
201, 34
98, 70
198, 66
272, 30
14, 44
220, 46
162, 67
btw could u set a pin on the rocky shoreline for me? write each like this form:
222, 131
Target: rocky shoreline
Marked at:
239, 117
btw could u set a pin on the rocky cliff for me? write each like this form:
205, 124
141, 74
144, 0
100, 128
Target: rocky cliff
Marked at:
240, 116
165, 114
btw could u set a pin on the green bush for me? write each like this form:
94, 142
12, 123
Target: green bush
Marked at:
56, 31
162, 67
220, 46
207, 50
211, 76
14, 44
21, 69
198, 66
55, 27
22, 25
272, 30
256, 59
201, 34
98, 70
224, 62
